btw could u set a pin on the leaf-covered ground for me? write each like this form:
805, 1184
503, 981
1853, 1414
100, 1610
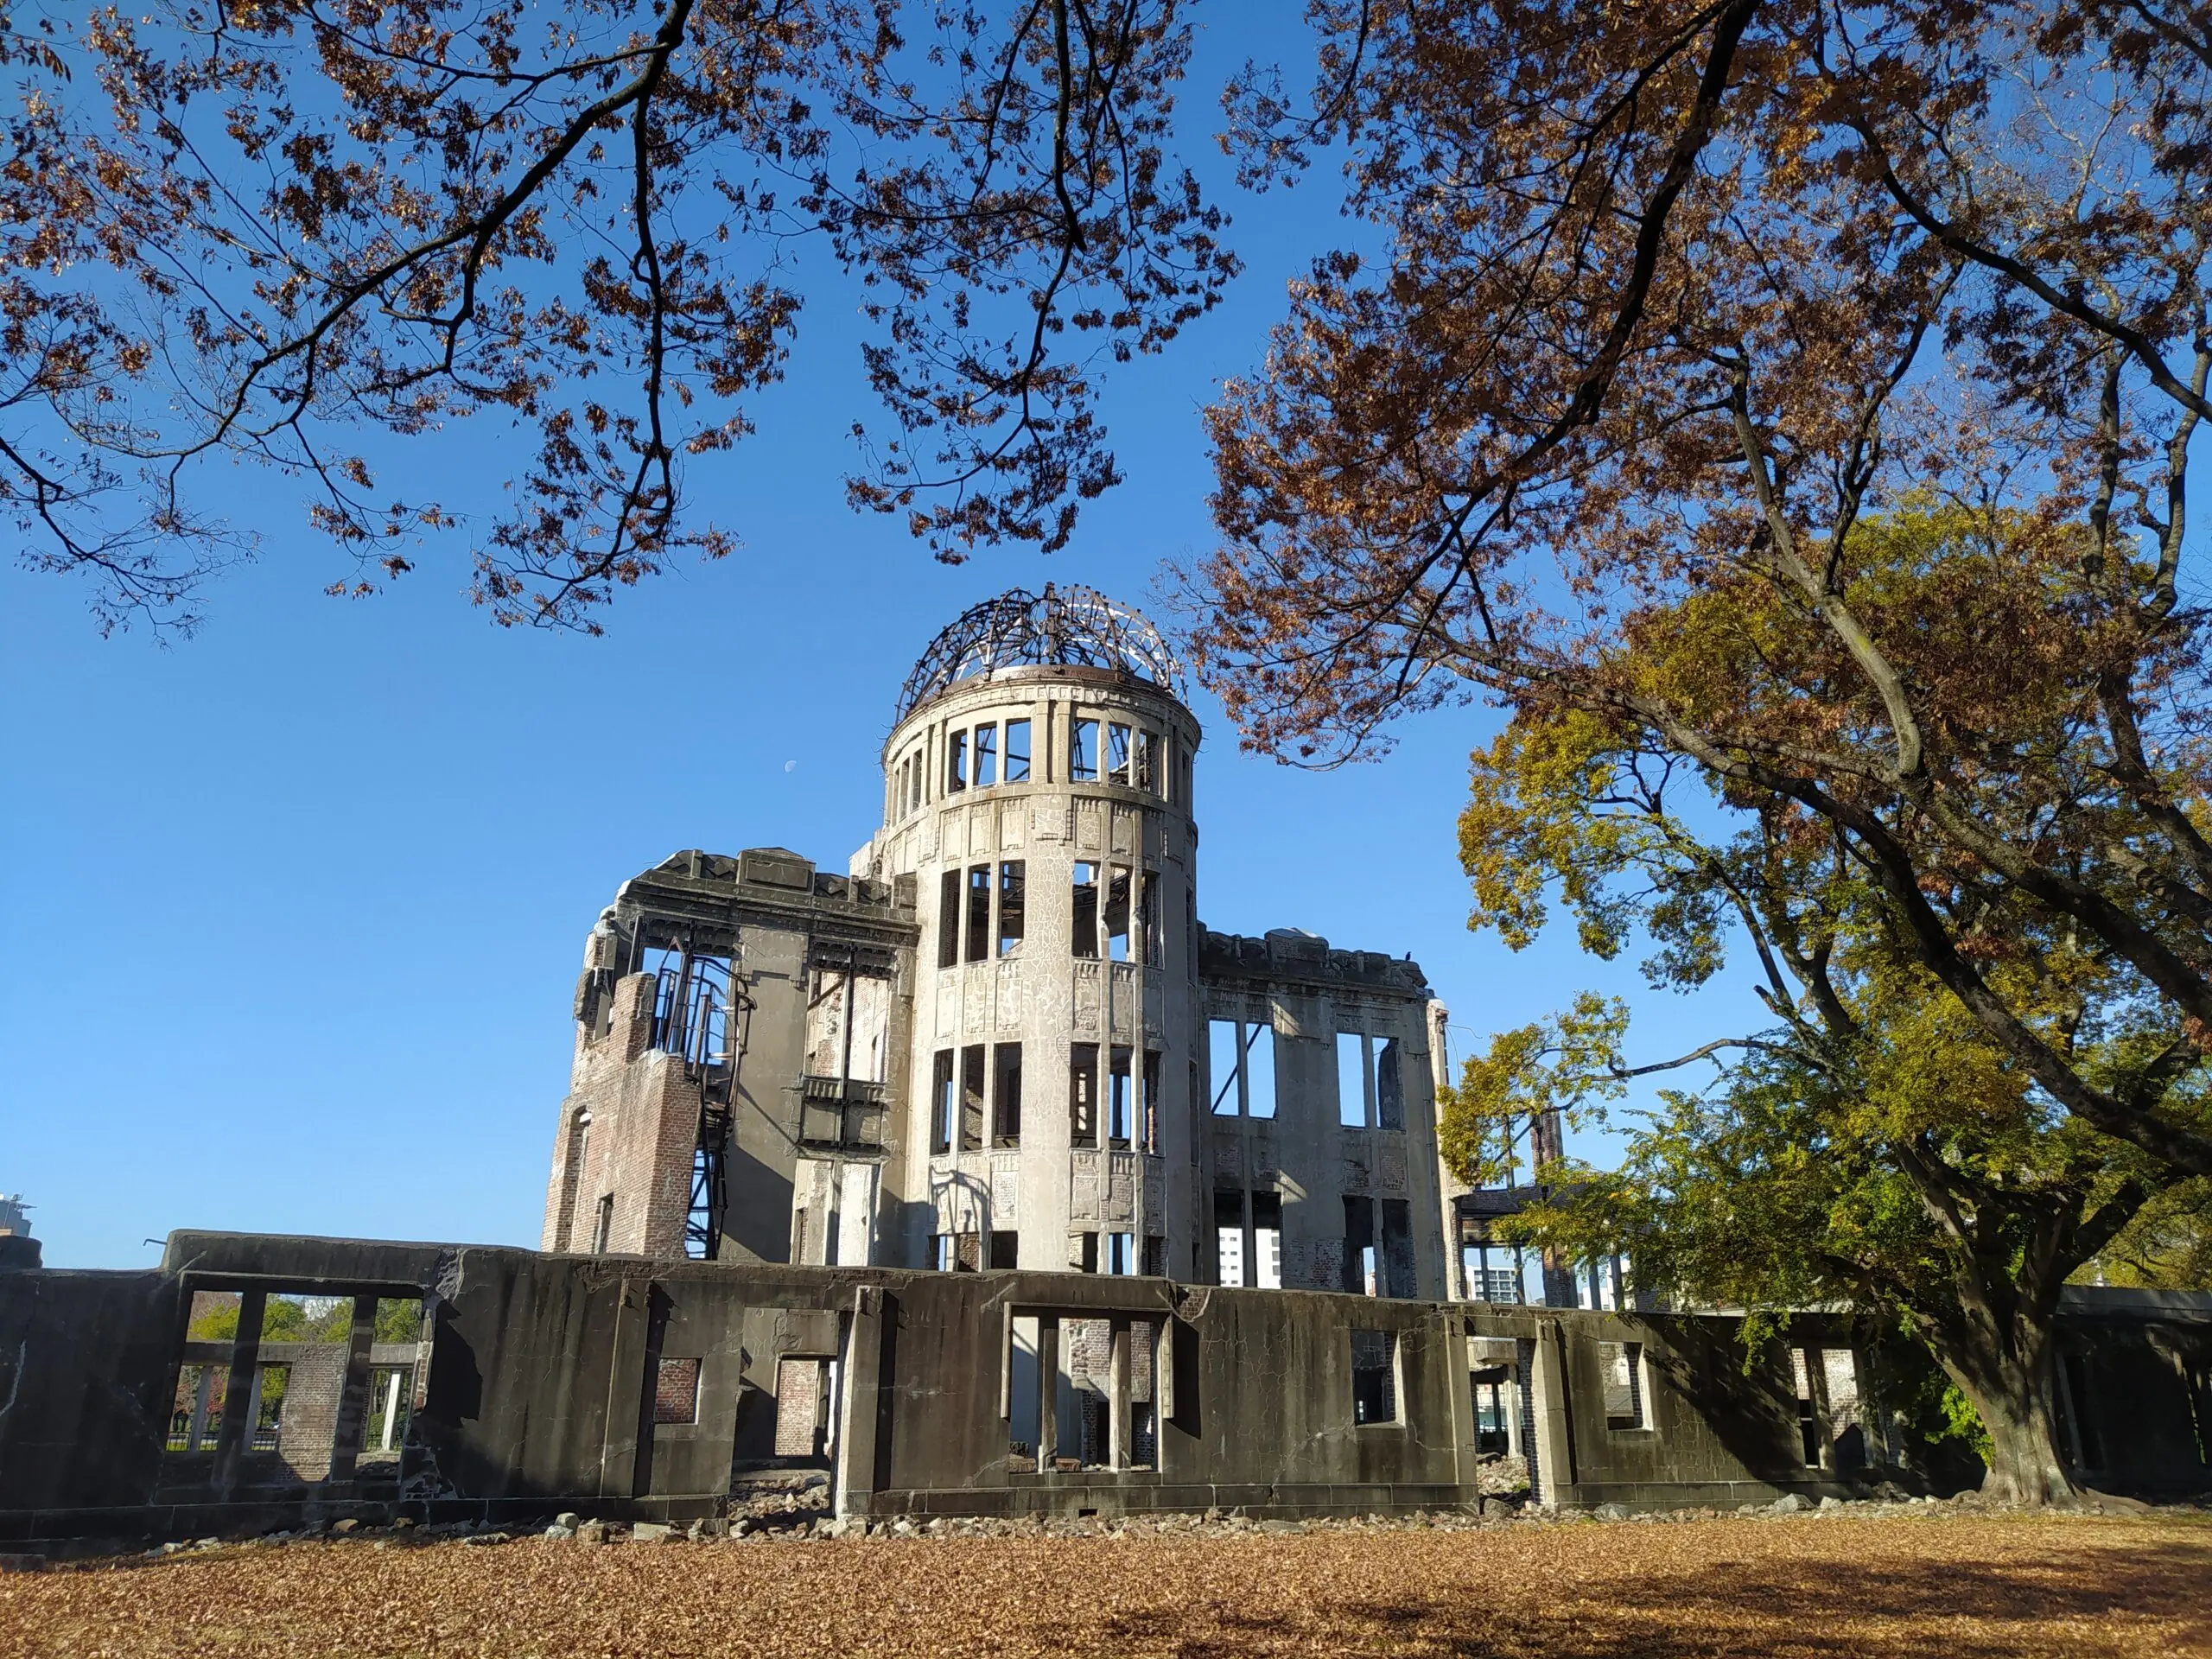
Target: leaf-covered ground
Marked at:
1944, 1587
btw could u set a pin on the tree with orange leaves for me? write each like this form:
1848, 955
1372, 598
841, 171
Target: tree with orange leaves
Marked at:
285, 232
1681, 303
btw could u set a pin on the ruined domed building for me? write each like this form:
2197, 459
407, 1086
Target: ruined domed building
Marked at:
1004, 1039
834, 1144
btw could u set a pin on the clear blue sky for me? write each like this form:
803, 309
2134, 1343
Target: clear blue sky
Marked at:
295, 908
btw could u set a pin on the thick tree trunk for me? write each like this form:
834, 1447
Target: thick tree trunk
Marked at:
2006, 1366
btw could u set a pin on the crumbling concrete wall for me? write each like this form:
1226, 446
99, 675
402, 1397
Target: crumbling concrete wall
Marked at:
774, 930
1355, 1181
554, 1381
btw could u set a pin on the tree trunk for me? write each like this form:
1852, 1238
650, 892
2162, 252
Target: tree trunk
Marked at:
2006, 1365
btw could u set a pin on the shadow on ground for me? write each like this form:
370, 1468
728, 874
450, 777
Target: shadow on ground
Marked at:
2060, 1601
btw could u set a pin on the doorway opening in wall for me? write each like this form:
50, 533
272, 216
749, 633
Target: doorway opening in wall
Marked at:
795, 1427
1082, 1393
1493, 1424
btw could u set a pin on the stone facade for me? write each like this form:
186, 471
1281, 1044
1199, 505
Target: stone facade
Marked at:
1002, 1040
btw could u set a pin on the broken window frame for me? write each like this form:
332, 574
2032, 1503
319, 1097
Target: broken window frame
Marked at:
1151, 938
984, 766
1118, 758
1116, 912
919, 762
956, 762
1017, 752
1262, 1099
1145, 768
978, 913
1006, 1094
1082, 751
1083, 923
1228, 1098
1013, 901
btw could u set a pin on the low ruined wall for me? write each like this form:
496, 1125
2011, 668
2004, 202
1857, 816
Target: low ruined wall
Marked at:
624, 1386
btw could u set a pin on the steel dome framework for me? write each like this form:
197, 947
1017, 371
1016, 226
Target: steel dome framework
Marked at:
1063, 626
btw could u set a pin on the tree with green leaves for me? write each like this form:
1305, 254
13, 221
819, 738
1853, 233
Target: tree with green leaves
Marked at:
1691, 321
1864, 1139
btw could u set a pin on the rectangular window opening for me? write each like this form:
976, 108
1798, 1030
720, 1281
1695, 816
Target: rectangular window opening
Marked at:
1224, 1049
956, 763
1151, 1103
602, 1231
1153, 937
1117, 754
971, 1097
1397, 1248
968, 1252
942, 1103
1017, 751
1083, 1252
1083, 935
1148, 761
979, 913
1117, 913
1266, 1239
987, 756
948, 919
1260, 1070
1620, 1364
1121, 1100
1006, 1095
1082, 1094
1083, 753
1374, 1378
1352, 1080
1389, 1096
1156, 1255
676, 1392
1228, 1235
1006, 1249
1011, 920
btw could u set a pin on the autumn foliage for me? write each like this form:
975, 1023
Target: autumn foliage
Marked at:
291, 232
1803, 395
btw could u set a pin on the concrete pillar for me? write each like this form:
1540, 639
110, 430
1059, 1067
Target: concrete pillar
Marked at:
1554, 1425
354, 1394
241, 1393
1048, 1392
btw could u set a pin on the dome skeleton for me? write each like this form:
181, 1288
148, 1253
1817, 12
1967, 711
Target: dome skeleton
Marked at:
1063, 627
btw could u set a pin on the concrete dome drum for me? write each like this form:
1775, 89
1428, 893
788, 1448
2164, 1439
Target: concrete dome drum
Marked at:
1063, 626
